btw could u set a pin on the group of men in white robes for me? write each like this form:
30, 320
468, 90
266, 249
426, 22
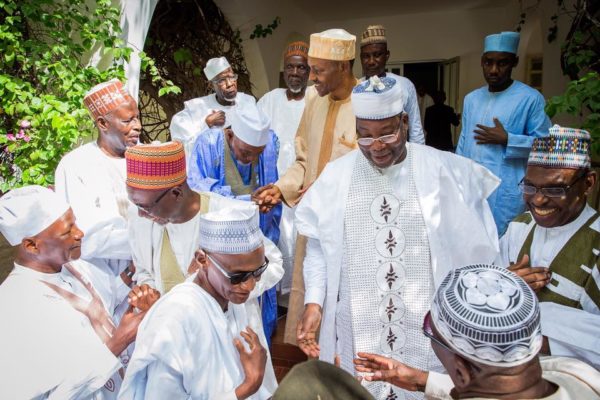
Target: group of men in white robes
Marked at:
384, 226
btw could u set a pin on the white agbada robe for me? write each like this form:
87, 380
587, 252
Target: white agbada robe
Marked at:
187, 352
93, 184
188, 123
571, 332
452, 194
285, 117
49, 349
184, 238
575, 380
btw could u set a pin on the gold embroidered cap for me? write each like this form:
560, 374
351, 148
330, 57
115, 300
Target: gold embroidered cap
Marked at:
332, 44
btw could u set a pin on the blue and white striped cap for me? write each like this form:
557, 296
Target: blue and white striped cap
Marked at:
232, 230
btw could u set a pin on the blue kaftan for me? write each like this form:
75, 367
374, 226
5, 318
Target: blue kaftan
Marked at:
520, 109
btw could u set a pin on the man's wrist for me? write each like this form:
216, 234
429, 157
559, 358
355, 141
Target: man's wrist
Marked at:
313, 306
421, 380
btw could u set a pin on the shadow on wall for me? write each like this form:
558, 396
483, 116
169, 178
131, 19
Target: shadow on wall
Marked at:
7, 256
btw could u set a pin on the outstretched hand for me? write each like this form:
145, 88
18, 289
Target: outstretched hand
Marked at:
392, 371
266, 197
306, 332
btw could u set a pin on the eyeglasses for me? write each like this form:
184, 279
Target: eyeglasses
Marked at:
386, 139
552, 192
428, 331
236, 279
155, 202
225, 79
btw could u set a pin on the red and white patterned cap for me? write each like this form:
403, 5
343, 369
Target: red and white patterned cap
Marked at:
105, 98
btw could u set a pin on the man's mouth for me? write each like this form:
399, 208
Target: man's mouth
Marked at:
544, 211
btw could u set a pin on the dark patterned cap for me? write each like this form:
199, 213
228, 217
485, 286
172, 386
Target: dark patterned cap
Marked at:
563, 148
373, 34
488, 315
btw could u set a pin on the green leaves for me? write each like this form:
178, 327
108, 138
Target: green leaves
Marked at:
44, 75
262, 32
581, 99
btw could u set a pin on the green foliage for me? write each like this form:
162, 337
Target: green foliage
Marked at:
44, 49
582, 98
581, 63
263, 32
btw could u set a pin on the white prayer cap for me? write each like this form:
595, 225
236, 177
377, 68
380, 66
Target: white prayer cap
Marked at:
27, 211
488, 315
215, 66
232, 230
378, 98
250, 124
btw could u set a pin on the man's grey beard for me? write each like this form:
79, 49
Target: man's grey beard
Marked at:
295, 91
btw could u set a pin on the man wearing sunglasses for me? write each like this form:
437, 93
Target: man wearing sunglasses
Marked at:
554, 245
164, 249
198, 341
484, 326
212, 110
385, 223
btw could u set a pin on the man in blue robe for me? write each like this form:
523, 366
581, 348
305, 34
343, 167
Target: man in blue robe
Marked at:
499, 123
233, 162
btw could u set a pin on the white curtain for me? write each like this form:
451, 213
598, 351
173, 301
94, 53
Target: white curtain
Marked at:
135, 21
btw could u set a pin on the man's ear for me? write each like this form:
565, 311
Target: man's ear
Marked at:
200, 257
102, 123
462, 371
30, 245
590, 182
516, 61
177, 192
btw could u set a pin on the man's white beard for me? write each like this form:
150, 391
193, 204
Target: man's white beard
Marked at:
229, 100
295, 91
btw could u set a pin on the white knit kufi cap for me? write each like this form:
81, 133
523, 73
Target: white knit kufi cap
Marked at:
250, 124
27, 211
215, 66
378, 98
488, 315
233, 230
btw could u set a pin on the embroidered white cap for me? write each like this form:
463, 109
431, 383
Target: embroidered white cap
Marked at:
488, 315
232, 230
250, 124
27, 211
378, 98
215, 66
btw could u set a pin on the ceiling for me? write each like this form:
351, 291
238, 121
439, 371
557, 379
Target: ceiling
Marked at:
322, 11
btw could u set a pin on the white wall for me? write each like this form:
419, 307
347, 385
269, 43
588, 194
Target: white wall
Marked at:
426, 36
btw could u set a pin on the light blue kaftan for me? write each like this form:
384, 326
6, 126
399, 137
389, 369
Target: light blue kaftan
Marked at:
520, 109
206, 172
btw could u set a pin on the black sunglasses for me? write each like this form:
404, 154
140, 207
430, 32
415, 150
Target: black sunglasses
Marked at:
428, 331
237, 278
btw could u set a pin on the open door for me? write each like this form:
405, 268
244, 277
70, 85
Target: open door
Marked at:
449, 74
